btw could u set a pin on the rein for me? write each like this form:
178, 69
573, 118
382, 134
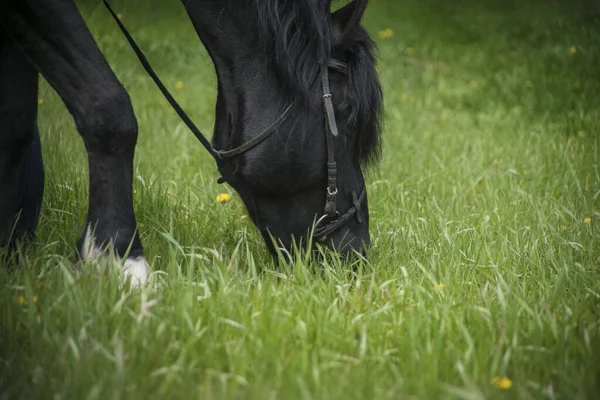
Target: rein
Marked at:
332, 220
146, 64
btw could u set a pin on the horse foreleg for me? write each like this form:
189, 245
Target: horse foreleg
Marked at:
21, 168
54, 37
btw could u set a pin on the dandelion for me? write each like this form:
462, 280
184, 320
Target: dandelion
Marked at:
40, 101
473, 84
581, 133
573, 50
179, 85
587, 220
563, 228
501, 382
441, 285
410, 51
21, 299
223, 197
386, 33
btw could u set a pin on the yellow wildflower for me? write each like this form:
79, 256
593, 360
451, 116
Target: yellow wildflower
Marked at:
386, 33
40, 101
410, 51
179, 85
573, 50
587, 220
563, 228
223, 197
441, 285
21, 299
581, 133
35, 299
501, 382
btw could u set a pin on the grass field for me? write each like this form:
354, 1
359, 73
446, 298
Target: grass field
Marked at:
483, 279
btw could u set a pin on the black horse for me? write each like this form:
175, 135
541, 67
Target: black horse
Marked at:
289, 70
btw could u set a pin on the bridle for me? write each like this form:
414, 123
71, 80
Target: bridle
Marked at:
331, 220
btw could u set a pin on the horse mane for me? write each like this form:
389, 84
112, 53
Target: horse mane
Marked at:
297, 36
362, 97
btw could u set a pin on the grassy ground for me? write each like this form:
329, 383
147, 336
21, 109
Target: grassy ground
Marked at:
484, 277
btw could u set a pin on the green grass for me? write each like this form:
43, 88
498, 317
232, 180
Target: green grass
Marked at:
482, 263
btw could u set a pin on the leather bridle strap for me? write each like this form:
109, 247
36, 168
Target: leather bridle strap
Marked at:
221, 154
216, 154
331, 131
337, 66
335, 220
321, 232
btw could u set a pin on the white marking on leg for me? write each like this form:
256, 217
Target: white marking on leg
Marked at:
136, 269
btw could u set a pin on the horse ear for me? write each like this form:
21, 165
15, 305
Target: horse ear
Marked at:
347, 18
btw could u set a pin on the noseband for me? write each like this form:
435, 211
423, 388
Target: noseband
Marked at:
331, 220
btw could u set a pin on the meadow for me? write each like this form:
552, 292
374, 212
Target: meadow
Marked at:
483, 280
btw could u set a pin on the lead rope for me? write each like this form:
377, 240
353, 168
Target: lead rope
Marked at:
144, 61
